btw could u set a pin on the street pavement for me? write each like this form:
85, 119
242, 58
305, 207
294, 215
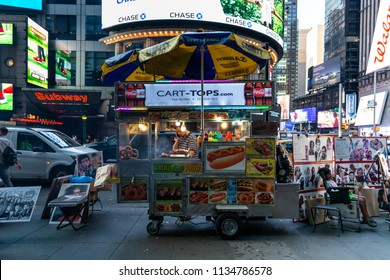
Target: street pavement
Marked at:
118, 232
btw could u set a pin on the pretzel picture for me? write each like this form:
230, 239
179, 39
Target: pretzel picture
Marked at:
128, 152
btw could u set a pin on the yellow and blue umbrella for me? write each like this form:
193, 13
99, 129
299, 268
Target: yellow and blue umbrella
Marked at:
225, 55
125, 67
203, 55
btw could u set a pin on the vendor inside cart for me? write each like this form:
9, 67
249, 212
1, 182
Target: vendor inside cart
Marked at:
185, 142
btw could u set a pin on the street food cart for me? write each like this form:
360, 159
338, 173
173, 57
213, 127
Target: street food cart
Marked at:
233, 176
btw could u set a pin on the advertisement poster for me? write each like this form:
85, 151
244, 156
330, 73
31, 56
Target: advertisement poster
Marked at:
37, 54
306, 175
260, 147
133, 190
261, 168
309, 148
224, 158
6, 97
359, 148
231, 191
63, 68
169, 195
6, 33
265, 16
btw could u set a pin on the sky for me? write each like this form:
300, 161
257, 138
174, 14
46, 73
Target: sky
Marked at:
310, 13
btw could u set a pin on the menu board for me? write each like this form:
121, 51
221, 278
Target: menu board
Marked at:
231, 191
169, 195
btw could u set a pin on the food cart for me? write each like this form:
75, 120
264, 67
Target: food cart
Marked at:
232, 179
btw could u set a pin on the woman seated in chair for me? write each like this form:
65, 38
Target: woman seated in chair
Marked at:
327, 175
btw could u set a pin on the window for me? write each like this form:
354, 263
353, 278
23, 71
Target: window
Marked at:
93, 62
62, 27
93, 28
68, 2
29, 142
93, 2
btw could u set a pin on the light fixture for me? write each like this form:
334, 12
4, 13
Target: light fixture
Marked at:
219, 118
224, 125
183, 127
177, 123
141, 125
9, 62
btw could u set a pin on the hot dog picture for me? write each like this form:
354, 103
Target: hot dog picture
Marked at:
226, 157
217, 197
218, 185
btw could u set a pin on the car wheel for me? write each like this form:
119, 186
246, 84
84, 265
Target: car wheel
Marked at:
58, 171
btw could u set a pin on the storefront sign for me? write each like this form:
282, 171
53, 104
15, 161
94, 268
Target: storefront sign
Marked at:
65, 103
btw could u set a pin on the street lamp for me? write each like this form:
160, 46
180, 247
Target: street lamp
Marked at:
84, 120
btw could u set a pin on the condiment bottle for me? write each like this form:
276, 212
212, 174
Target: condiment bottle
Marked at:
228, 136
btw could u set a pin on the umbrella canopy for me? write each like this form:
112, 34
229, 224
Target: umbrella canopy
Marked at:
125, 67
226, 55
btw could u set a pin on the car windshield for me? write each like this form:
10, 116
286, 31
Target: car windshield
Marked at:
60, 139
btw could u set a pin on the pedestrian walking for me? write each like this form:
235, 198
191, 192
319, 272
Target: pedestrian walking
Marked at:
4, 143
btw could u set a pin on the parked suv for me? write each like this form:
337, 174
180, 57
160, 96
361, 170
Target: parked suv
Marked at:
44, 153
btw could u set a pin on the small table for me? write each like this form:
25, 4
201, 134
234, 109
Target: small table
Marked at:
71, 206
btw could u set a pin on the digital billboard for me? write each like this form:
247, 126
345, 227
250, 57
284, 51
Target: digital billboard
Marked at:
6, 97
37, 54
261, 16
63, 67
23, 4
328, 119
304, 115
327, 73
365, 112
6, 33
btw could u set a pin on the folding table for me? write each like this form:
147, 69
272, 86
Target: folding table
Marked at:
71, 206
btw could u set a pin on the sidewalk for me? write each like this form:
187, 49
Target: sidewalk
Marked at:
118, 232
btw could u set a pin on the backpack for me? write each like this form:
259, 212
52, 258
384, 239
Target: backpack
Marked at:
9, 156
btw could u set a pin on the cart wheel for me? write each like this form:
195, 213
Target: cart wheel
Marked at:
153, 228
228, 226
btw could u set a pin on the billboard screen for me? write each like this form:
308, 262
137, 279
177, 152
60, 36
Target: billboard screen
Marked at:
328, 119
63, 67
30, 4
264, 16
365, 112
327, 73
304, 115
6, 33
37, 54
6, 97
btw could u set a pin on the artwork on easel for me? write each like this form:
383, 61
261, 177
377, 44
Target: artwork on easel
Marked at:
69, 190
17, 204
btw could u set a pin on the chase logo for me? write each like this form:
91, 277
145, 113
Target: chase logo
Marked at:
199, 16
249, 24
142, 16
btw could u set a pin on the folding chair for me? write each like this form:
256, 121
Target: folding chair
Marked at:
338, 206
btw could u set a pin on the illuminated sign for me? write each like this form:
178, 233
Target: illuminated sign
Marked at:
365, 113
63, 68
304, 115
6, 97
189, 94
37, 54
265, 17
6, 33
327, 73
23, 4
328, 119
